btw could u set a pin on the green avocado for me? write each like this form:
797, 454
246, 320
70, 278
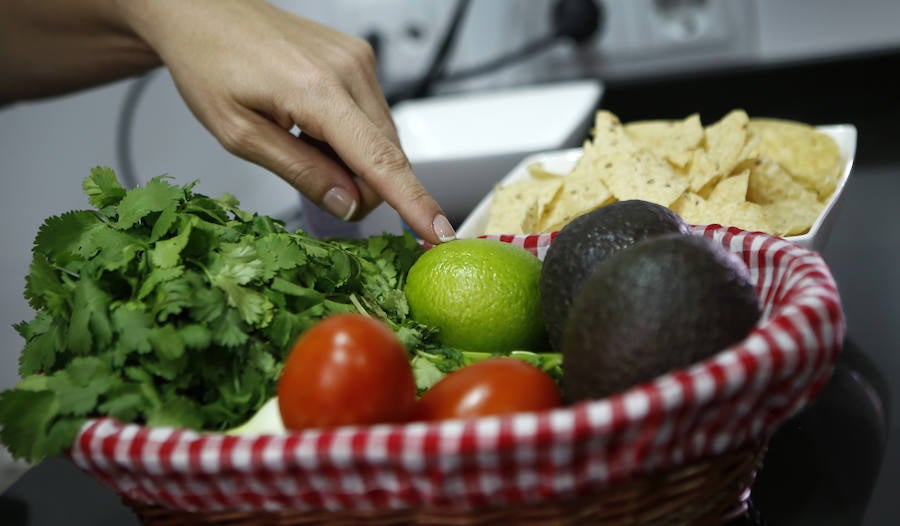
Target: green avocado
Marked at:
662, 304
586, 242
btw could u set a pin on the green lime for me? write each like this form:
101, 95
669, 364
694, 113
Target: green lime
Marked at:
483, 295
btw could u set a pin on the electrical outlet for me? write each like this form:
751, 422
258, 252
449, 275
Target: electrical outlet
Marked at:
652, 37
679, 25
405, 33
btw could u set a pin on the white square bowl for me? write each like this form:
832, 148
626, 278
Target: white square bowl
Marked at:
562, 161
461, 145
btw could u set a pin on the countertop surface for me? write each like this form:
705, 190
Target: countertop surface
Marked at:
836, 463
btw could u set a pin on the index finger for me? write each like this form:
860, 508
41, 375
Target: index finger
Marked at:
372, 155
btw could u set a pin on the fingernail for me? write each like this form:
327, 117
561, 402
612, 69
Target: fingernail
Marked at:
442, 228
339, 203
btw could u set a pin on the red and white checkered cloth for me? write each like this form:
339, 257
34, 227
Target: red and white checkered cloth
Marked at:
741, 394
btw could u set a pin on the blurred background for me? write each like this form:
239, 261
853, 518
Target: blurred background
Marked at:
819, 61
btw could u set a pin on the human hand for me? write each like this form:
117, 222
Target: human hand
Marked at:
250, 72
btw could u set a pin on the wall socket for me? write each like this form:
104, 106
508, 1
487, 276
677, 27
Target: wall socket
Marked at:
652, 37
405, 33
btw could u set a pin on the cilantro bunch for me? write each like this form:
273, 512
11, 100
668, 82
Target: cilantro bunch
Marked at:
167, 307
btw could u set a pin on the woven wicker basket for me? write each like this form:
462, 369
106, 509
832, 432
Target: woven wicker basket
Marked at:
710, 492
682, 449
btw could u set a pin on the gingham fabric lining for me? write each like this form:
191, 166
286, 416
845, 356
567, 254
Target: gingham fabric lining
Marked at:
740, 395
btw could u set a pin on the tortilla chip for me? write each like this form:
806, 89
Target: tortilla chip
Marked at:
810, 156
674, 140
579, 194
702, 173
511, 204
610, 136
692, 208
538, 171
531, 220
732, 189
745, 215
793, 218
770, 182
504, 218
726, 141
641, 175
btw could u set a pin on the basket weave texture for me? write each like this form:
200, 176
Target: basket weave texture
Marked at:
684, 441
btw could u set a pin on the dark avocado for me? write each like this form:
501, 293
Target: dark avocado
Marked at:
664, 303
588, 240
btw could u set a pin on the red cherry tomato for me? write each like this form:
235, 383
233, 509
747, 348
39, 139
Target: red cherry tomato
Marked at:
494, 386
347, 369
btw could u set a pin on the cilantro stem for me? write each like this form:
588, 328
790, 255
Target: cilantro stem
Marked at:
103, 219
355, 301
67, 271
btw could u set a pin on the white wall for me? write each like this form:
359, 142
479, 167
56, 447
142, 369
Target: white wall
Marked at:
802, 29
45, 150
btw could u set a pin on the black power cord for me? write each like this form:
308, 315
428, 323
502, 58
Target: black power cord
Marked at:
578, 20
573, 20
125, 128
439, 62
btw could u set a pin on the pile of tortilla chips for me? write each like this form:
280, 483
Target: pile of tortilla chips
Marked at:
770, 175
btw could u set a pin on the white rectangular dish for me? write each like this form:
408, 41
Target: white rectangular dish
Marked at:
562, 161
461, 145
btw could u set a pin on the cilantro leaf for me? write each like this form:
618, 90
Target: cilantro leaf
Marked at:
124, 402
229, 330
24, 419
278, 252
60, 237
132, 324
177, 412
81, 384
45, 340
156, 196
89, 324
208, 305
43, 287
254, 308
164, 223
231, 204
110, 249
195, 336
102, 187
157, 277
61, 433
208, 209
167, 342
167, 253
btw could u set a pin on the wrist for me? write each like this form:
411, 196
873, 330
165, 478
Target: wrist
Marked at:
135, 17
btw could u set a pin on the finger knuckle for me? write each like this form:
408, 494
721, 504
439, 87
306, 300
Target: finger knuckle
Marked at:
386, 157
363, 53
390, 164
283, 110
416, 195
236, 135
299, 173
358, 58
327, 87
